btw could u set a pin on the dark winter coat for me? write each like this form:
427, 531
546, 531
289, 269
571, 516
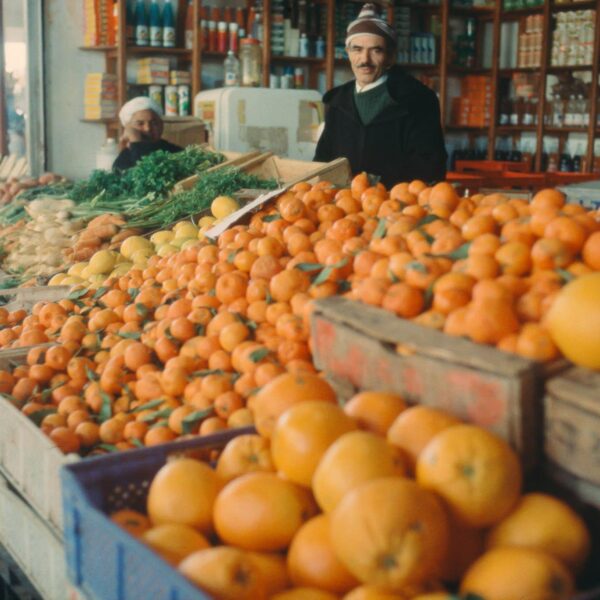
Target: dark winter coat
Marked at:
403, 143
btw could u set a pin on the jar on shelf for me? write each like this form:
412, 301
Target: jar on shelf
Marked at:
250, 61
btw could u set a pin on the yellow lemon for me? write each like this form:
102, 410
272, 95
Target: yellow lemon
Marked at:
102, 261
206, 220
188, 244
58, 279
121, 269
71, 280
77, 268
223, 206
158, 238
185, 229
166, 249
134, 244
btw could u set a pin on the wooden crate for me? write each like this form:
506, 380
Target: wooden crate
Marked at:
32, 545
572, 432
26, 297
356, 346
29, 460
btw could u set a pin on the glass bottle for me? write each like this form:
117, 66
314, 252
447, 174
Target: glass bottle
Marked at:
558, 112
251, 62
141, 24
156, 32
189, 26
231, 68
168, 25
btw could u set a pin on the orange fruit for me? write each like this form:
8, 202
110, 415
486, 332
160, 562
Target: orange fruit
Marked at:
375, 411
273, 570
258, 511
311, 560
399, 527
174, 541
415, 427
183, 491
283, 392
517, 573
591, 251
132, 521
225, 572
244, 454
545, 523
354, 458
304, 593
475, 472
301, 436
574, 320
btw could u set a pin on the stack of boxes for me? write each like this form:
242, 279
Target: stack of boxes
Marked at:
152, 71
100, 97
472, 107
530, 41
99, 23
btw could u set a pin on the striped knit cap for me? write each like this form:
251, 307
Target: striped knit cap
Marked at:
370, 22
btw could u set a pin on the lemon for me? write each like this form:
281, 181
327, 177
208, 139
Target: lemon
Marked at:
188, 243
186, 230
223, 206
206, 220
85, 273
58, 279
121, 269
71, 280
103, 261
201, 233
97, 279
166, 249
158, 238
134, 244
142, 253
77, 268
178, 242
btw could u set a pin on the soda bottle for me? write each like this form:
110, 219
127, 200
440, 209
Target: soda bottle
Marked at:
189, 26
231, 68
168, 25
141, 24
156, 33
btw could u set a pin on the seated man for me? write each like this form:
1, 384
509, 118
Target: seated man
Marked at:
142, 120
384, 121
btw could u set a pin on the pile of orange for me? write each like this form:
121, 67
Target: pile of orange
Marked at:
373, 501
182, 346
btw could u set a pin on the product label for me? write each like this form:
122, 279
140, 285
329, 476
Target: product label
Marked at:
169, 37
189, 39
155, 36
141, 35
231, 78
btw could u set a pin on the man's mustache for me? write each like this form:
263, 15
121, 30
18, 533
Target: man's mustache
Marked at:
366, 65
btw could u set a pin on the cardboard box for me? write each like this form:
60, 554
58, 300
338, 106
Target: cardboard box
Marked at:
185, 131
356, 346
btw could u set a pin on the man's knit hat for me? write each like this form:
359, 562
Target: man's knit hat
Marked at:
370, 22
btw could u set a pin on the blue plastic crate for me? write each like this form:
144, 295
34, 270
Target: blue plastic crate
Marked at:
103, 560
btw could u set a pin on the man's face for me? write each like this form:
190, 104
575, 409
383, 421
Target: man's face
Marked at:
369, 58
148, 123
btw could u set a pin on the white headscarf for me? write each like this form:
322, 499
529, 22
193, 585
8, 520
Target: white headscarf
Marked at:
134, 105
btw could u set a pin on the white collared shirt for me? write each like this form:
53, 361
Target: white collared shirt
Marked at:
370, 86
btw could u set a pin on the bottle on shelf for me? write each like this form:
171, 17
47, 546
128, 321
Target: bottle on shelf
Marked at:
168, 25
233, 36
231, 68
505, 111
570, 111
156, 30
222, 36
241, 23
130, 24
188, 35
203, 29
303, 46
141, 24
558, 111
320, 47
565, 164
251, 62
212, 30
257, 26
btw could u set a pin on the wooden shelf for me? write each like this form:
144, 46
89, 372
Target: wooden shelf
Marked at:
507, 15
565, 130
472, 11
511, 71
310, 60
568, 69
159, 50
515, 128
97, 48
214, 55
466, 128
574, 6
110, 121
457, 70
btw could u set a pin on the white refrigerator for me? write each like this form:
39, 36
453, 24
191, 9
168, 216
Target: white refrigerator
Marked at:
242, 119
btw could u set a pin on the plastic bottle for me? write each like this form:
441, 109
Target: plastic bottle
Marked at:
303, 46
233, 37
222, 36
189, 26
168, 25
320, 47
231, 69
141, 24
156, 31
106, 155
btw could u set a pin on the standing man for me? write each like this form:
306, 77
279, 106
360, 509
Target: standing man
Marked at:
142, 119
385, 122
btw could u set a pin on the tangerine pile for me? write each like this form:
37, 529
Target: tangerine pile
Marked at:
373, 501
182, 345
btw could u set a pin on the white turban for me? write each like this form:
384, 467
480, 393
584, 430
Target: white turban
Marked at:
134, 105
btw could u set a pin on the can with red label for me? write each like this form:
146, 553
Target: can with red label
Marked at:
171, 101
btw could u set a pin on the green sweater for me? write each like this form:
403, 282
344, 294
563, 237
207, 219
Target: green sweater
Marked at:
372, 102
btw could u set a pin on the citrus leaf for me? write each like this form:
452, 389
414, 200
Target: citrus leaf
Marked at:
428, 297
188, 424
157, 414
251, 324
161, 423
457, 254
147, 405
417, 266
100, 292
205, 372
565, 275
76, 294
380, 229
133, 292
231, 256
141, 310
393, 277
130, 335
323, 276
39, 415
344, 286
426, 220
109, 447
271, 218
137, 443
309, 267
91, 375
200, 329
259, 354
106, 410
254, 391
268, 297
428, 238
